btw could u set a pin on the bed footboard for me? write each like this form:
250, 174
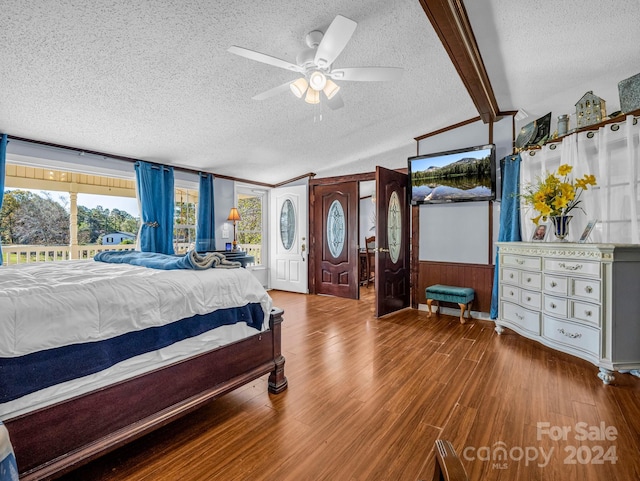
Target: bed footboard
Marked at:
56, 439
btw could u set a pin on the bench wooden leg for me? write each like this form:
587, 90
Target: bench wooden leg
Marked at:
462, 309
429, 302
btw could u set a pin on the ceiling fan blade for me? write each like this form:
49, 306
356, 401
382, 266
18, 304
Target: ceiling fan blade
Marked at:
272, 92
334, 41
367, 74
264, 58
335, 102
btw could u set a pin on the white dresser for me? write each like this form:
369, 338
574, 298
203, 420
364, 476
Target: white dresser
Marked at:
582, 299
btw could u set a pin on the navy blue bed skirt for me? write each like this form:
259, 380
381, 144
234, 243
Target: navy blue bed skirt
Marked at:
29, 373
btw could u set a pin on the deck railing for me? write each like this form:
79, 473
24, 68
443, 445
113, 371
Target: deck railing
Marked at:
22, 254
25, 254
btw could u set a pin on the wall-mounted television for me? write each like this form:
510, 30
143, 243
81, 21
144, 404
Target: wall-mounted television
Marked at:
461, 175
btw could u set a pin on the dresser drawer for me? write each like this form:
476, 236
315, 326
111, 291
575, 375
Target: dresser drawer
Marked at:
555, 306
584, 268
531, 280
530, 299
510, 276
577, 336
586, 312
556, 284
525, 262
521, 317
511, 293
586, 288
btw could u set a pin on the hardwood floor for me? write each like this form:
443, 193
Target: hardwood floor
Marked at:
368, 397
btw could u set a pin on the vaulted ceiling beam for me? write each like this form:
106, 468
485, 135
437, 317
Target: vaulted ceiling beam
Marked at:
451, 23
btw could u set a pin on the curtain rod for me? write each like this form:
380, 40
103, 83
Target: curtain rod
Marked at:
131, 159
94, 152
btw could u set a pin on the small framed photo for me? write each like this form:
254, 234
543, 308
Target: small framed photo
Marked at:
540, 233
587, 231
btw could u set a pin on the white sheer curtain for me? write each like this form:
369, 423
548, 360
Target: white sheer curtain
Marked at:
612, 154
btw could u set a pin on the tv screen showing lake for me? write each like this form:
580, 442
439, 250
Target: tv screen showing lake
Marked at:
453, 177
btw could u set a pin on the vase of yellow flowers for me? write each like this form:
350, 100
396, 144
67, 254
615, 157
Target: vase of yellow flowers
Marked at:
554, 196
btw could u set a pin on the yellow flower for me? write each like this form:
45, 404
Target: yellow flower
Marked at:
543, 208
555, 194
564, 169
560, 202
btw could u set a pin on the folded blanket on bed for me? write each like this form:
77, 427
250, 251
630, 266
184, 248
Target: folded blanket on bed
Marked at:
154, 260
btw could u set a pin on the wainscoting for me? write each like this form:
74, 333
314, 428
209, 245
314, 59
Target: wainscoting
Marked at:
477, 276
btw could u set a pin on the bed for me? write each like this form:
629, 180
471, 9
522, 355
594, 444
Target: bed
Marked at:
94, 355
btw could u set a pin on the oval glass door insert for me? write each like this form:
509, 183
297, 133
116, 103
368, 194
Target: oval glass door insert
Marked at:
394, 227
336, 228
287, 224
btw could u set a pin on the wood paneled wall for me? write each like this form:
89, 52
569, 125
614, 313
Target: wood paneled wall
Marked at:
477, 276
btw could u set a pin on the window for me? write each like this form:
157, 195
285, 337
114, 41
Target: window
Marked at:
251, 227
184, 228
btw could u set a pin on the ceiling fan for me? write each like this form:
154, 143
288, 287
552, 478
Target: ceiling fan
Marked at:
315, 64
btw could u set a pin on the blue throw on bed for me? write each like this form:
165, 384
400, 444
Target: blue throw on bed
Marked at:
155, 260
25, 374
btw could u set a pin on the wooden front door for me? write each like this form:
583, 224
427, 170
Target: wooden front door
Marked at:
335, 237
392, 239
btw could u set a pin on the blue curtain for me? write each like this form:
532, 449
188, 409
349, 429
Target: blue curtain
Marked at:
3, 161
206, 225
156, 196
509, 216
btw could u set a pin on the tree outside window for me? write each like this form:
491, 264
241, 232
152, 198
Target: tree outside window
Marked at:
250, 227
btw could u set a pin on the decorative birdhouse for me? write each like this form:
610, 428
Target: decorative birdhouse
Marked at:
590, 110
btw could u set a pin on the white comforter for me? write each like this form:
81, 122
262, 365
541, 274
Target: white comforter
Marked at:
47, 305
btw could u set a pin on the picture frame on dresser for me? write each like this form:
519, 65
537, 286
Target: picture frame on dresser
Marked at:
540, 233
587, 231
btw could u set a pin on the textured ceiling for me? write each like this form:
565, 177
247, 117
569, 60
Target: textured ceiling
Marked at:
543, 56
153, 79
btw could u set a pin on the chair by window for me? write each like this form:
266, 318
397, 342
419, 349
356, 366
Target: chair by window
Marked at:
370, 243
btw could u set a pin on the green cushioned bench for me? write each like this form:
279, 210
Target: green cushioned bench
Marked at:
463, 296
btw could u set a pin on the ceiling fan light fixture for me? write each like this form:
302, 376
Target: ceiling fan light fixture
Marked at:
330, 89
312, 97
299, 87
317, 80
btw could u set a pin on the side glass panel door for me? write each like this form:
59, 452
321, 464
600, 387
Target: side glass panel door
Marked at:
393, 290
335, 234
288, 239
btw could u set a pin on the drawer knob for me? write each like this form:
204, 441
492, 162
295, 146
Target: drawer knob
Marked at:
553, 306
588, 313
553, 284
528, 279
519, 261
511, 276
572, 335
528, 298
511, 293
519, 316
589, 289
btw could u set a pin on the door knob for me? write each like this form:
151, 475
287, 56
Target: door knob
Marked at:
382, 249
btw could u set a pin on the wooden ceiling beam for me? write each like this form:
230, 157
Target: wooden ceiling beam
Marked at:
451, 23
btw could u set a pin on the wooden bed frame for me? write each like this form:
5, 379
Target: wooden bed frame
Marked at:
56, 439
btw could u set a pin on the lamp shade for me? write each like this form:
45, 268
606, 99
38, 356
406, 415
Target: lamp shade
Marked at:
299, 87
312, 97
330, 89
234, 215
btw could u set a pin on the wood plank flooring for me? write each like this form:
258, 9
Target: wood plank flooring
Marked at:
368, 397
